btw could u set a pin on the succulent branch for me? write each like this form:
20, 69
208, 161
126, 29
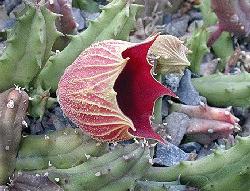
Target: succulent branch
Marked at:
223, 47
207, 123
13, 106
221, 92
76, 162
87, 5
222, 170
65, 22
62, 149
128, 167
233, 17
115, 22
198, 46
27, 61
25, 55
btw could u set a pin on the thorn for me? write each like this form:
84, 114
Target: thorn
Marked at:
142, 145
50, 163
24, 123
210, 130
98, 174
10, 104
153, 145
31, 98
202, 105
136, 141
237, 119
98, 144
150, 161
229, 108
87, 156
126, 157
227, 113
46, 137
237, 127
169, 137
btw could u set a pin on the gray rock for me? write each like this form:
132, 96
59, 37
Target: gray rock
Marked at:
90, 16
81, 23
52, 120
178, 27
195, 15
165, 107
194, 25
191, 147
206, 150
24, 181
169, 155
10, 5
246, 128
186, 91
172, 81
176, 126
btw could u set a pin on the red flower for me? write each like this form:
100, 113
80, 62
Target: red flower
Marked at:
109, 91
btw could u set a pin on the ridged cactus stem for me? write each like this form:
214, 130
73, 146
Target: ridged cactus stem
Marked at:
62, 149
222, 170
13, 106
157, 119
126, 165
226, 90
115, 22
207, 123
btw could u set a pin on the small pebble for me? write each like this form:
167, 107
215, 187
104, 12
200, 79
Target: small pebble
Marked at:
191, 147
169, 155
186, 91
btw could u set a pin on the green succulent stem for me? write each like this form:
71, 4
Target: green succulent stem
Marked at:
115, 22
222, 170
226, 90
128, 166
157, 119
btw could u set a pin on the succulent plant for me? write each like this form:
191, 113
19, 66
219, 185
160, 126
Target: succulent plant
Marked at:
223, 46
128, 167
61, 149
28, 60
198, 43
65, 23
233, 17
115, 22
81, 165
13, 106
86, 5
24, 181
207, 123
222, 170
101, 91
221, 92
198, 46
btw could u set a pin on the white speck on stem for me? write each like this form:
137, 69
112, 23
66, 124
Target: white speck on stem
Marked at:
10, 104
98, 174
24, 123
